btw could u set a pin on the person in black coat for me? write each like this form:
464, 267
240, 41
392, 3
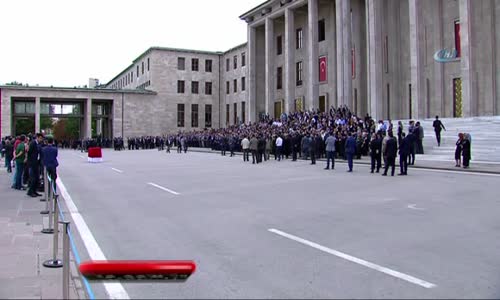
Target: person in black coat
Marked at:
33, 164
9, 155
458, 150
404, 151
313, 149
466, 153
376, 152
391, 151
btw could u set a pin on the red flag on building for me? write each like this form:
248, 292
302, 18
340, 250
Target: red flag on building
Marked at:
323, 69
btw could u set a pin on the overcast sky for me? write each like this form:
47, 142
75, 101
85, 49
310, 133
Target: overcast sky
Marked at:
66, 42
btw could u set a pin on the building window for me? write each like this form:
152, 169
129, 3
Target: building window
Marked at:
243, 112
457, 38
194, 115
243, 83
227, 65
227, 114
180, 115
298, 73
208, 115
279, 78
321, 30
132, 75
299, 36
180, 86
137, 71
235, 85
208, 88
235, 113
194, 64
181, 63
194, 87
279, 45
148, 63
208, 65
142, 69
243, 59
227, 87
235, 62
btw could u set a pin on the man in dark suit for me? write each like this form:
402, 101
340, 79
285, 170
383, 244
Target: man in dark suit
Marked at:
404, 151
49, 156
33, 165
350, 150
391, 151
438, 126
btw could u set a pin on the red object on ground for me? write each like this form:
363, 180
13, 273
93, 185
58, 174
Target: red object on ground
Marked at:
95, 152
137, 270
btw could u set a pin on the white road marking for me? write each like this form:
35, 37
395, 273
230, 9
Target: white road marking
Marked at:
116, 170
353, 259
114, 290
81, 156
163, 188
414, 207
456, 172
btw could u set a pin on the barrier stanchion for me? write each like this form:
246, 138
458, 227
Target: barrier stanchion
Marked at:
65, 262
44, 199
45, 193
54, 262
50, 193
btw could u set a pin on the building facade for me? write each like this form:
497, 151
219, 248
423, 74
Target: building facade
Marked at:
397, 59
388, 58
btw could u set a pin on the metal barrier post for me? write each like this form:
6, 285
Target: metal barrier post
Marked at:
45, 193
54, 262
44, 199
49, 230
66, 265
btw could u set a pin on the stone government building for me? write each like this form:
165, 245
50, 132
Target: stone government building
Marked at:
397, 59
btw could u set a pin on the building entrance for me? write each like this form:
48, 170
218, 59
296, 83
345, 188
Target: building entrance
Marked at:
457, 97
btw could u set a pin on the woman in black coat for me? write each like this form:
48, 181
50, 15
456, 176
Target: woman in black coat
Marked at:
458, 150
466, 155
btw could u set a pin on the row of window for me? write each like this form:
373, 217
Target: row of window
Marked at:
299, 37
128, 78
235, 62
144, 85
194, 115
236, 120
235, 85
195, 87
195, 64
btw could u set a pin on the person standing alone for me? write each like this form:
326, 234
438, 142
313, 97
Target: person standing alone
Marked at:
438, 126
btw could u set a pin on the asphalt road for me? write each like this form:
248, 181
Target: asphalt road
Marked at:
289, 229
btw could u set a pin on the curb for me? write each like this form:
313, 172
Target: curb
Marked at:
361, 162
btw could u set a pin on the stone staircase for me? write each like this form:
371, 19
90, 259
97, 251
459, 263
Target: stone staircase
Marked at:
485, 135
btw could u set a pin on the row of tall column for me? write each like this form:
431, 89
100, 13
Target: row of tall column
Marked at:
342, 56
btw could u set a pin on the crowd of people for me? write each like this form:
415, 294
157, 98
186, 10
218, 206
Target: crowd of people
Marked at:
337, 133
27, 155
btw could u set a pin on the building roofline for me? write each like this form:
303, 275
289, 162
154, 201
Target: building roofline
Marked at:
253, 10
75, 89
235, 48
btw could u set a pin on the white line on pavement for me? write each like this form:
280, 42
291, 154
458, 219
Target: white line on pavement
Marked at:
81, 156
116, 170
163, 188
414, 207
353, 259
114, 290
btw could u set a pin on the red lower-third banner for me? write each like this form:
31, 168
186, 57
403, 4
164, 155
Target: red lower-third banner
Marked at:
129, 270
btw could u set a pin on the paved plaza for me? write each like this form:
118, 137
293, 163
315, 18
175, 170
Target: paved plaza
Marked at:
287, 229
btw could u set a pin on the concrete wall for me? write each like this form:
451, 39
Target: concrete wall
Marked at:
164, 107
238, 73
